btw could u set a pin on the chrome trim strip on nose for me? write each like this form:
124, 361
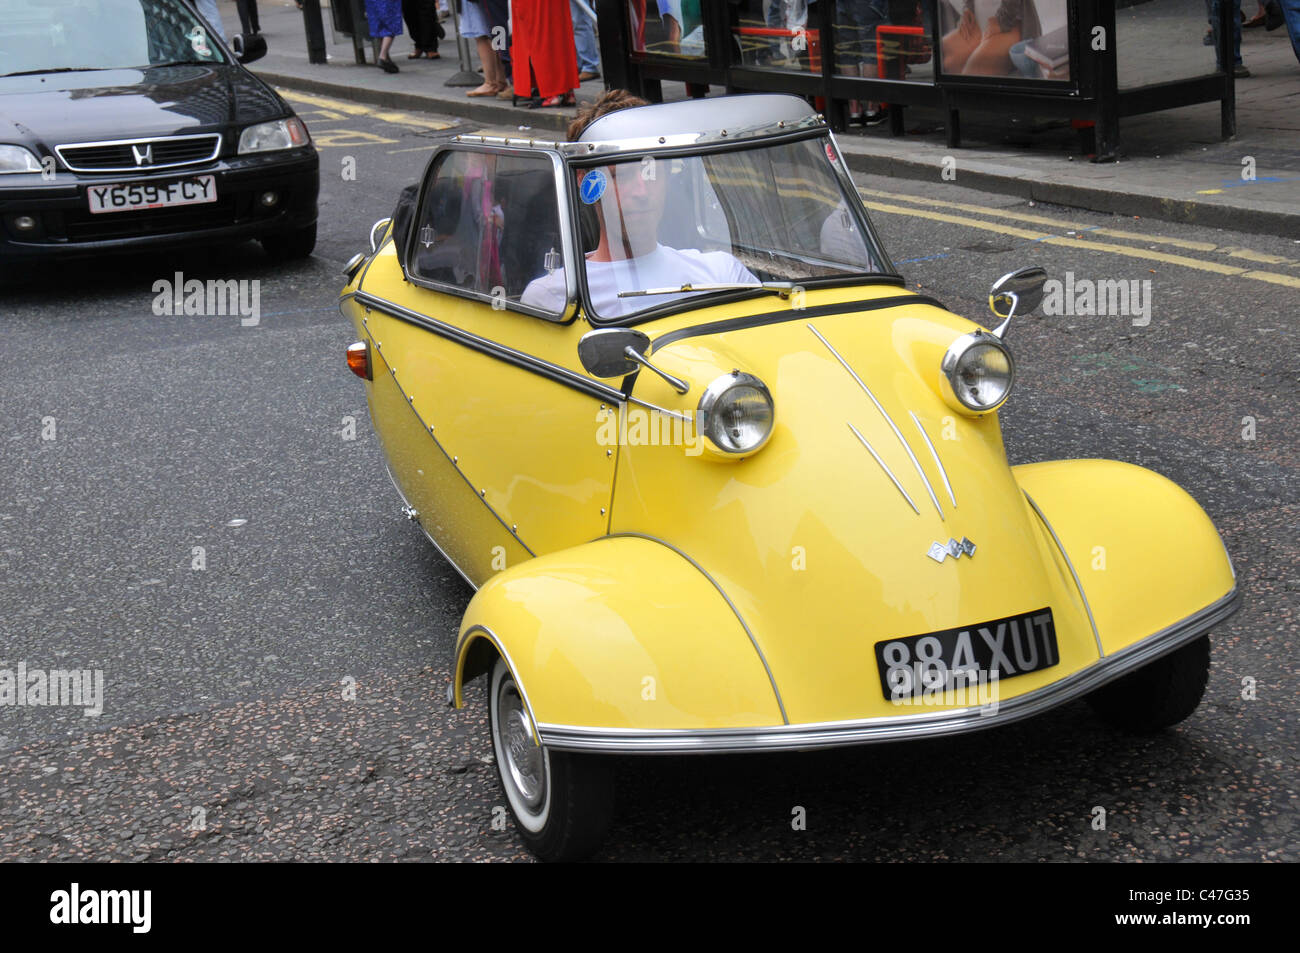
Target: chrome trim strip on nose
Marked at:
892, 426
934, 453
1101, 653
888, 472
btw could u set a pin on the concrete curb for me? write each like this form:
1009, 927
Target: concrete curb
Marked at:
1282, 221
494, 113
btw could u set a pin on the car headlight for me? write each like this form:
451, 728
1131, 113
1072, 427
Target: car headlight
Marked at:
18, 159
736, 413
268, 136
978, 371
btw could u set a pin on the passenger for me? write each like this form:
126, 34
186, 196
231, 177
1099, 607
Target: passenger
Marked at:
629, 205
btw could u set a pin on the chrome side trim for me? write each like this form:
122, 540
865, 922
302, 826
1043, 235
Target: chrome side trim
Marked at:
870, 731
722, 592
937, 462
889, 420
1077, 584
411, 514
216, 151
554, 372
510, 663
888, 472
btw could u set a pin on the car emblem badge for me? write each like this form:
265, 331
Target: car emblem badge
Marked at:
145, 157
939, 552
426, 236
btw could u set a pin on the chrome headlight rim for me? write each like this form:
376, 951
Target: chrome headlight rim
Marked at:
31, 161
286, 125
959, 348
714, 395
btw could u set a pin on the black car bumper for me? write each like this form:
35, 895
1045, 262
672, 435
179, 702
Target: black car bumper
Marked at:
65, 226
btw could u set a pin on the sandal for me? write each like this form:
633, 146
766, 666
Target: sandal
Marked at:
416, 55
562, 100
433, 55
388, 66
487, 89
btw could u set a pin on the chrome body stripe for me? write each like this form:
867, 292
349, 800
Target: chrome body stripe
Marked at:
1077, 584
937, 462
888, 472
889, 420
801, 737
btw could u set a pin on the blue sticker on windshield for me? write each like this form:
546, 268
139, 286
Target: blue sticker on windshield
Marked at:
593, 186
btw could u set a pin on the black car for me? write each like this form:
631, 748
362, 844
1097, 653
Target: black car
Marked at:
128, 124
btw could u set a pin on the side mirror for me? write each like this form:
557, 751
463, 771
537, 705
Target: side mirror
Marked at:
617, 352
603, 352
248, 46
1019, 292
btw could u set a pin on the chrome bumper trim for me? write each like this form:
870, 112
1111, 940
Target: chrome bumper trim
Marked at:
930, 725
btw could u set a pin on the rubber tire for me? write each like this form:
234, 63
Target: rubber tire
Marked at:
288, 246
580, 802
1158, 695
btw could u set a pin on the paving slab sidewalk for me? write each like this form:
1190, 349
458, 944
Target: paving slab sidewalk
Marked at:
1174, 165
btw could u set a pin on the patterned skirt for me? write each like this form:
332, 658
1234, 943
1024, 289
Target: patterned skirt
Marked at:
384, 17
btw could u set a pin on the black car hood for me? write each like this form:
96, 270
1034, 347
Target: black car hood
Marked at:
53, 108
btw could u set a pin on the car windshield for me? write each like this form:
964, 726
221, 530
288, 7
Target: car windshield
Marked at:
773, 215
46, 36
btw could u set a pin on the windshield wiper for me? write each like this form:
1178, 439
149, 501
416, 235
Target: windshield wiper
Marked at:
180, 63
782, 288
59, 69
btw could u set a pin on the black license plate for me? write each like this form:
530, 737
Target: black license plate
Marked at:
938, 661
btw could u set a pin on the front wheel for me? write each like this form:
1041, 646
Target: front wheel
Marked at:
1157, 695
562, 803
287, 246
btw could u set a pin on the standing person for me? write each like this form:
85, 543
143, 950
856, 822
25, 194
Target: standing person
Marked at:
584, 40
422, 20
208, 10
474, 26
544, 51
385, 20
248, 16
498, 17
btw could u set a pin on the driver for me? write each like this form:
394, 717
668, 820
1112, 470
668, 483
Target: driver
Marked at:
629, 199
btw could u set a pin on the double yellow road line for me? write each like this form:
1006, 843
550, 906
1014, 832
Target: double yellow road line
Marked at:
1059, 234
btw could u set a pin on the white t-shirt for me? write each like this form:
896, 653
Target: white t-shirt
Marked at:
662, 268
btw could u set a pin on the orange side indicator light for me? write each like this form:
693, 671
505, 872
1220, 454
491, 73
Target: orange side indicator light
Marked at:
359, 360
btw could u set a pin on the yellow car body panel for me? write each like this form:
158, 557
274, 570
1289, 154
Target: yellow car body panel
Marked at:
1145, 552
621, 633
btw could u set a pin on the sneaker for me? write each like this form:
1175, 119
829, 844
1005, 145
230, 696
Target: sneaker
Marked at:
1240, 71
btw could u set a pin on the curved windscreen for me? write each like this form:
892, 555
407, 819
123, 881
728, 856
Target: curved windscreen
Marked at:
67, 35
773, 215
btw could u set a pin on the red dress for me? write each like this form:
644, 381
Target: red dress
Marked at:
542, 38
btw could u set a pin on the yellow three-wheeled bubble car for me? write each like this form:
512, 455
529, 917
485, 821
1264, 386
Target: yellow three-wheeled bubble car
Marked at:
722, 483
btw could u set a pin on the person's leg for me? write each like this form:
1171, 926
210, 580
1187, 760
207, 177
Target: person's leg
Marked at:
993, 56
1291, 13
411, 14
245, 22
584, 40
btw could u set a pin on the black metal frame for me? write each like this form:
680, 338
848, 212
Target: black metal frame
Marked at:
1091, 97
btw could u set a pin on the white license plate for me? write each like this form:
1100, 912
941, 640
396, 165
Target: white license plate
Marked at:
133, 196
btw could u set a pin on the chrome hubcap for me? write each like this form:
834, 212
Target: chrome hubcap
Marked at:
524, 760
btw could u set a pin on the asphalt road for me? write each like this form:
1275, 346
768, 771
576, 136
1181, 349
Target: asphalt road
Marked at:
229, 729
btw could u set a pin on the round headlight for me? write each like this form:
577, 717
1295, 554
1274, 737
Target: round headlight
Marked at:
978, 370
736, 413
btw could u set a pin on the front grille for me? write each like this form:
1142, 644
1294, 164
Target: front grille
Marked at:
121, 155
